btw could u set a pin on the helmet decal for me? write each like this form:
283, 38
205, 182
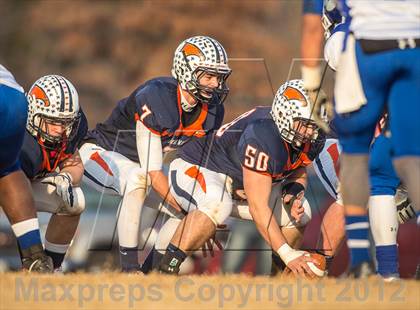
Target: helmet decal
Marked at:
294, 94
190, 49
195, 57
40, 95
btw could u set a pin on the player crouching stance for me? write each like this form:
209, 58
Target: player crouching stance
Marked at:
124, 155
50, 159
258, 149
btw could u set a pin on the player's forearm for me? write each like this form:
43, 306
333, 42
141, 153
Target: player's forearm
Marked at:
258, 190
267, 225
160, 184
311, 50
312, 40
74, 167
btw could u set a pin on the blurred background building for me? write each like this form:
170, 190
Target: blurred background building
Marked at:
108, 48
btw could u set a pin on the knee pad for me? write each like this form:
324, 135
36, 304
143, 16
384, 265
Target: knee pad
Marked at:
218, 211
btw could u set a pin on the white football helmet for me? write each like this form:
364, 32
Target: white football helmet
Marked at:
193, 58
53, 99
292, 104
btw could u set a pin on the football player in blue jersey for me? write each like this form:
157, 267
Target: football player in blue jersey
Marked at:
262, 147
15, 192
378, 70
384, 183
124, 154
50, 159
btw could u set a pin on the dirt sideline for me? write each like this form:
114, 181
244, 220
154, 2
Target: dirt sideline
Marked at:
118, 291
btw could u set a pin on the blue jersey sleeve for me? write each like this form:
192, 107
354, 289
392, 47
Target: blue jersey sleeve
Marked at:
312, 7
262, 150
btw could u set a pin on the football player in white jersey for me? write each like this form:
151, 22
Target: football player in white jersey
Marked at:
378, 70
382, 208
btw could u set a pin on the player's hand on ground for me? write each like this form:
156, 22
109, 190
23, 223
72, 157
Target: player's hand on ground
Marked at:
63, 187
208, 247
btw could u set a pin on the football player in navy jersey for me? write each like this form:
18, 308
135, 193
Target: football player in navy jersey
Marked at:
261, 147
15, 192
124, 154
50, 159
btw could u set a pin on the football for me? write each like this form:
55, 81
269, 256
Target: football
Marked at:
318, 268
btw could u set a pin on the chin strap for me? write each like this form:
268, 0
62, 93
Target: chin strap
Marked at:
184, 103
50, 163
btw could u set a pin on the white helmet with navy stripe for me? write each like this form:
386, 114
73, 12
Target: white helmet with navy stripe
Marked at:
292, 106
52, 99
196, 56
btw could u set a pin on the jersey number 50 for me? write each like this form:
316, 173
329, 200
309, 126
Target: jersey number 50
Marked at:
259, 163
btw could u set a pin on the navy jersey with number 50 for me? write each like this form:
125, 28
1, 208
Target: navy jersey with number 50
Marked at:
252, 141
157, 104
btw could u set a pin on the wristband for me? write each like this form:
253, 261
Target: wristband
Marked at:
311, 77
288, 254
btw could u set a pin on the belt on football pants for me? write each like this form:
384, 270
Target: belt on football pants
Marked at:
377, 46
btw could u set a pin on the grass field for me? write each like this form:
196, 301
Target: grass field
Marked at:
119, 291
